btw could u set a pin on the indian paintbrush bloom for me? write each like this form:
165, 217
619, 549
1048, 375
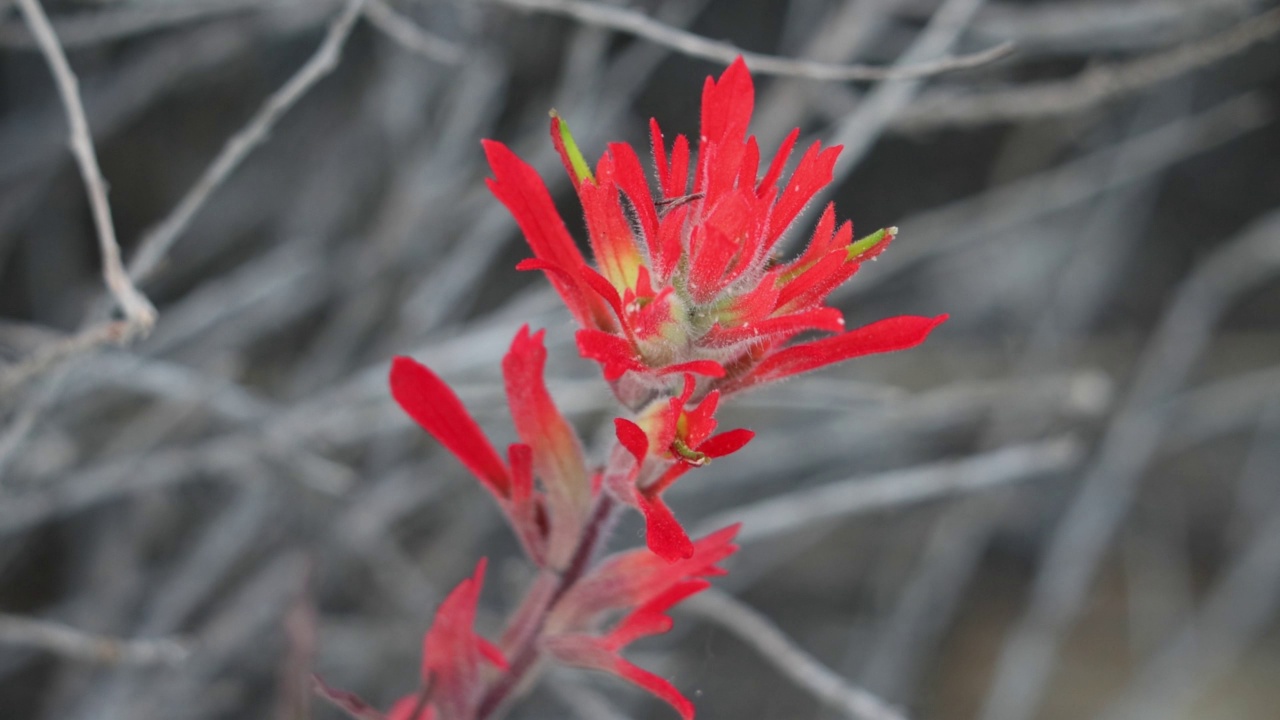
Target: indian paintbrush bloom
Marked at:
687, 302
686, 279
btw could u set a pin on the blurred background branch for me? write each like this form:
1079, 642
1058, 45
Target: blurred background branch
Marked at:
1060, 507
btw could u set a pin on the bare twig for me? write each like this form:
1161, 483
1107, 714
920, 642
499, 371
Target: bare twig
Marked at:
799, 510
404, 31
1109, 484
91, 28
156, 243
87, 647
61, 350
138, 310
1099, 84
959, 225
1236, 613
859, 131
687, 43
788, 658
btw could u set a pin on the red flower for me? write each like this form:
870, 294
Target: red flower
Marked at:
668, 441
685, 278
547, 521
646, 585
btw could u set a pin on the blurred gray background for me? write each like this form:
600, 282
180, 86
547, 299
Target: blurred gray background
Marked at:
1066, 504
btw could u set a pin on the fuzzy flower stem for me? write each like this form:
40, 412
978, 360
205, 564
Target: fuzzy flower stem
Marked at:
525, 657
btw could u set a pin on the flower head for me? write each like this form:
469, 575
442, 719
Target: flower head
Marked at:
685, 279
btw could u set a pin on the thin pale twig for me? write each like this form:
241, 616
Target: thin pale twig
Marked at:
693, 45
1109, 484
139, 311
804, 509
789, 658
1097, 85
157, 242
84, 29
405, 32
79, 645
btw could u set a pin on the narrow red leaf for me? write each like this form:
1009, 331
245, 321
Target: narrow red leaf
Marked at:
433, 405
726, 443
897, 333
557, 452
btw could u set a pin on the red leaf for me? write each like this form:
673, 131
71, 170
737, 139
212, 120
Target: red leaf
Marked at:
633, 577
615, 354
726, 443
630, 179
591, 652
706, 368
452, 651
897, 333
726, 109
557, 453
811, 175
517, 185
827, 319
770, 178
429, 401
656, 685
651, 618
663, 533
631, 437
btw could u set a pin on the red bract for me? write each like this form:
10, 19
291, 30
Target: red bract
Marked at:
549, 520
685, 279
452, 664
646, 587
667, 442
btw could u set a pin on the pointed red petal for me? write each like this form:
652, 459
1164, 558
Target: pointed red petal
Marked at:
633, 577
410, 708
897, 333
612, 240
663, 533
820, 244
632, 438
812, 174
770, 178
726, 109
651, 617
630, 178
655, 685
813, 285
726, 443
557, 452
517, 185
452, 651
615, 355
677, 180
491, 653
429, 401
706, 368
825, 319
587, 651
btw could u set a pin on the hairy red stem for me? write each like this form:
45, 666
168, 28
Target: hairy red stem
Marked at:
526, 656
